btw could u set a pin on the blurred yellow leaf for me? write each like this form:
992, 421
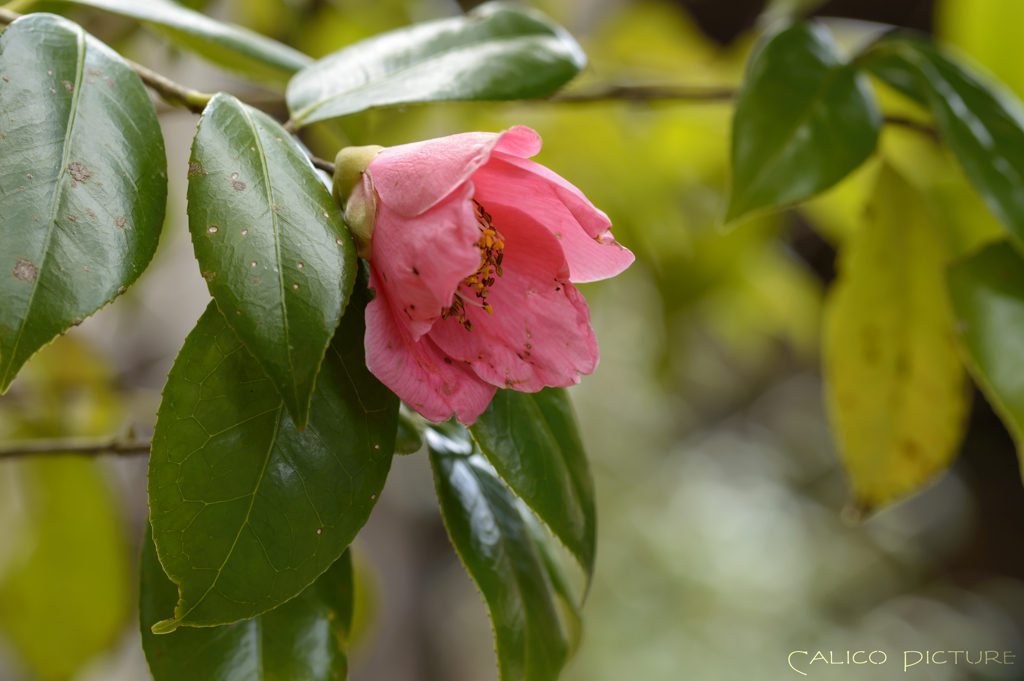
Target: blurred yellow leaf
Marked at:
64, 567
988, 30
65, 592
932, 169
896, 390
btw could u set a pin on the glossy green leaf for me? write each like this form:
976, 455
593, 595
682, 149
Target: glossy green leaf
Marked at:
246, 510
303, 640
270, 242
63, 599
533, 442
982, 123
498, 51
83, 182
233, 47
895, 387
804, 120
988, 300
408, 440
533, 635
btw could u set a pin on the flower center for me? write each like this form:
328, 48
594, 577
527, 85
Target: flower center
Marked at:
491, 245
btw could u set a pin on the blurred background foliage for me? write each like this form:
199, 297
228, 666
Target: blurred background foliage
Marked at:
721, 541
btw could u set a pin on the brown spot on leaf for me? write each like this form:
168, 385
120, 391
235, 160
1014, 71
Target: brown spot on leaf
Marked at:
25, 270
79, 172
120, 222
90, 213
910, 450
52, 91
95, 72
278, 208
73, 217
872, 345
68, 85
195, 169
209, 276
238, 185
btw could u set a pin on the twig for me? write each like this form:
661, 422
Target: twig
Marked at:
645, 93
93, 447
326, 166
171, 92
911, 124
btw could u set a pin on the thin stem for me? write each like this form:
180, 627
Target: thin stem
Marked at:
322, 164
646, 93
917, 126
171, 92
84, 447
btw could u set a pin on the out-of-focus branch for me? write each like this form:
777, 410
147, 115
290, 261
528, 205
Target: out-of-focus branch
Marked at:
171, 92
649, 93
646, 93
84, 447
917, 126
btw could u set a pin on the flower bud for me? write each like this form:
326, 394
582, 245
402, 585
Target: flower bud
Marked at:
354, 195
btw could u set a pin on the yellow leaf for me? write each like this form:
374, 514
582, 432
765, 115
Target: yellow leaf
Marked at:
896, 389
64, 595
65, 583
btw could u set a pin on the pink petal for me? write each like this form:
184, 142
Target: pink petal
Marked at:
539, 334
411, 178
417, 371
519, 141
582, 229
422, 259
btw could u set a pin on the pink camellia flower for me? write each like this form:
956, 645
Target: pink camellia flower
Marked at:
474, 252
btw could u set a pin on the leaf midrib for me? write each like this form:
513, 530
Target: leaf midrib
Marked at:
9, 359
243, 524
277, 239
517, 576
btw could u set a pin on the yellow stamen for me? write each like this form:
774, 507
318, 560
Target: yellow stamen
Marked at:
491, 245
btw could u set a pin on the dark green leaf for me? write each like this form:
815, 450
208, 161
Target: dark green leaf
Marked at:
498, 51
232, 47
270, 242
988, 299
532, 634
83, 182
304, 639
982, 124
533, 442
804, 120
408, 440
246, 510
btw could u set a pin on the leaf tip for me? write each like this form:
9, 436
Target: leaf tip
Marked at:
165, 626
